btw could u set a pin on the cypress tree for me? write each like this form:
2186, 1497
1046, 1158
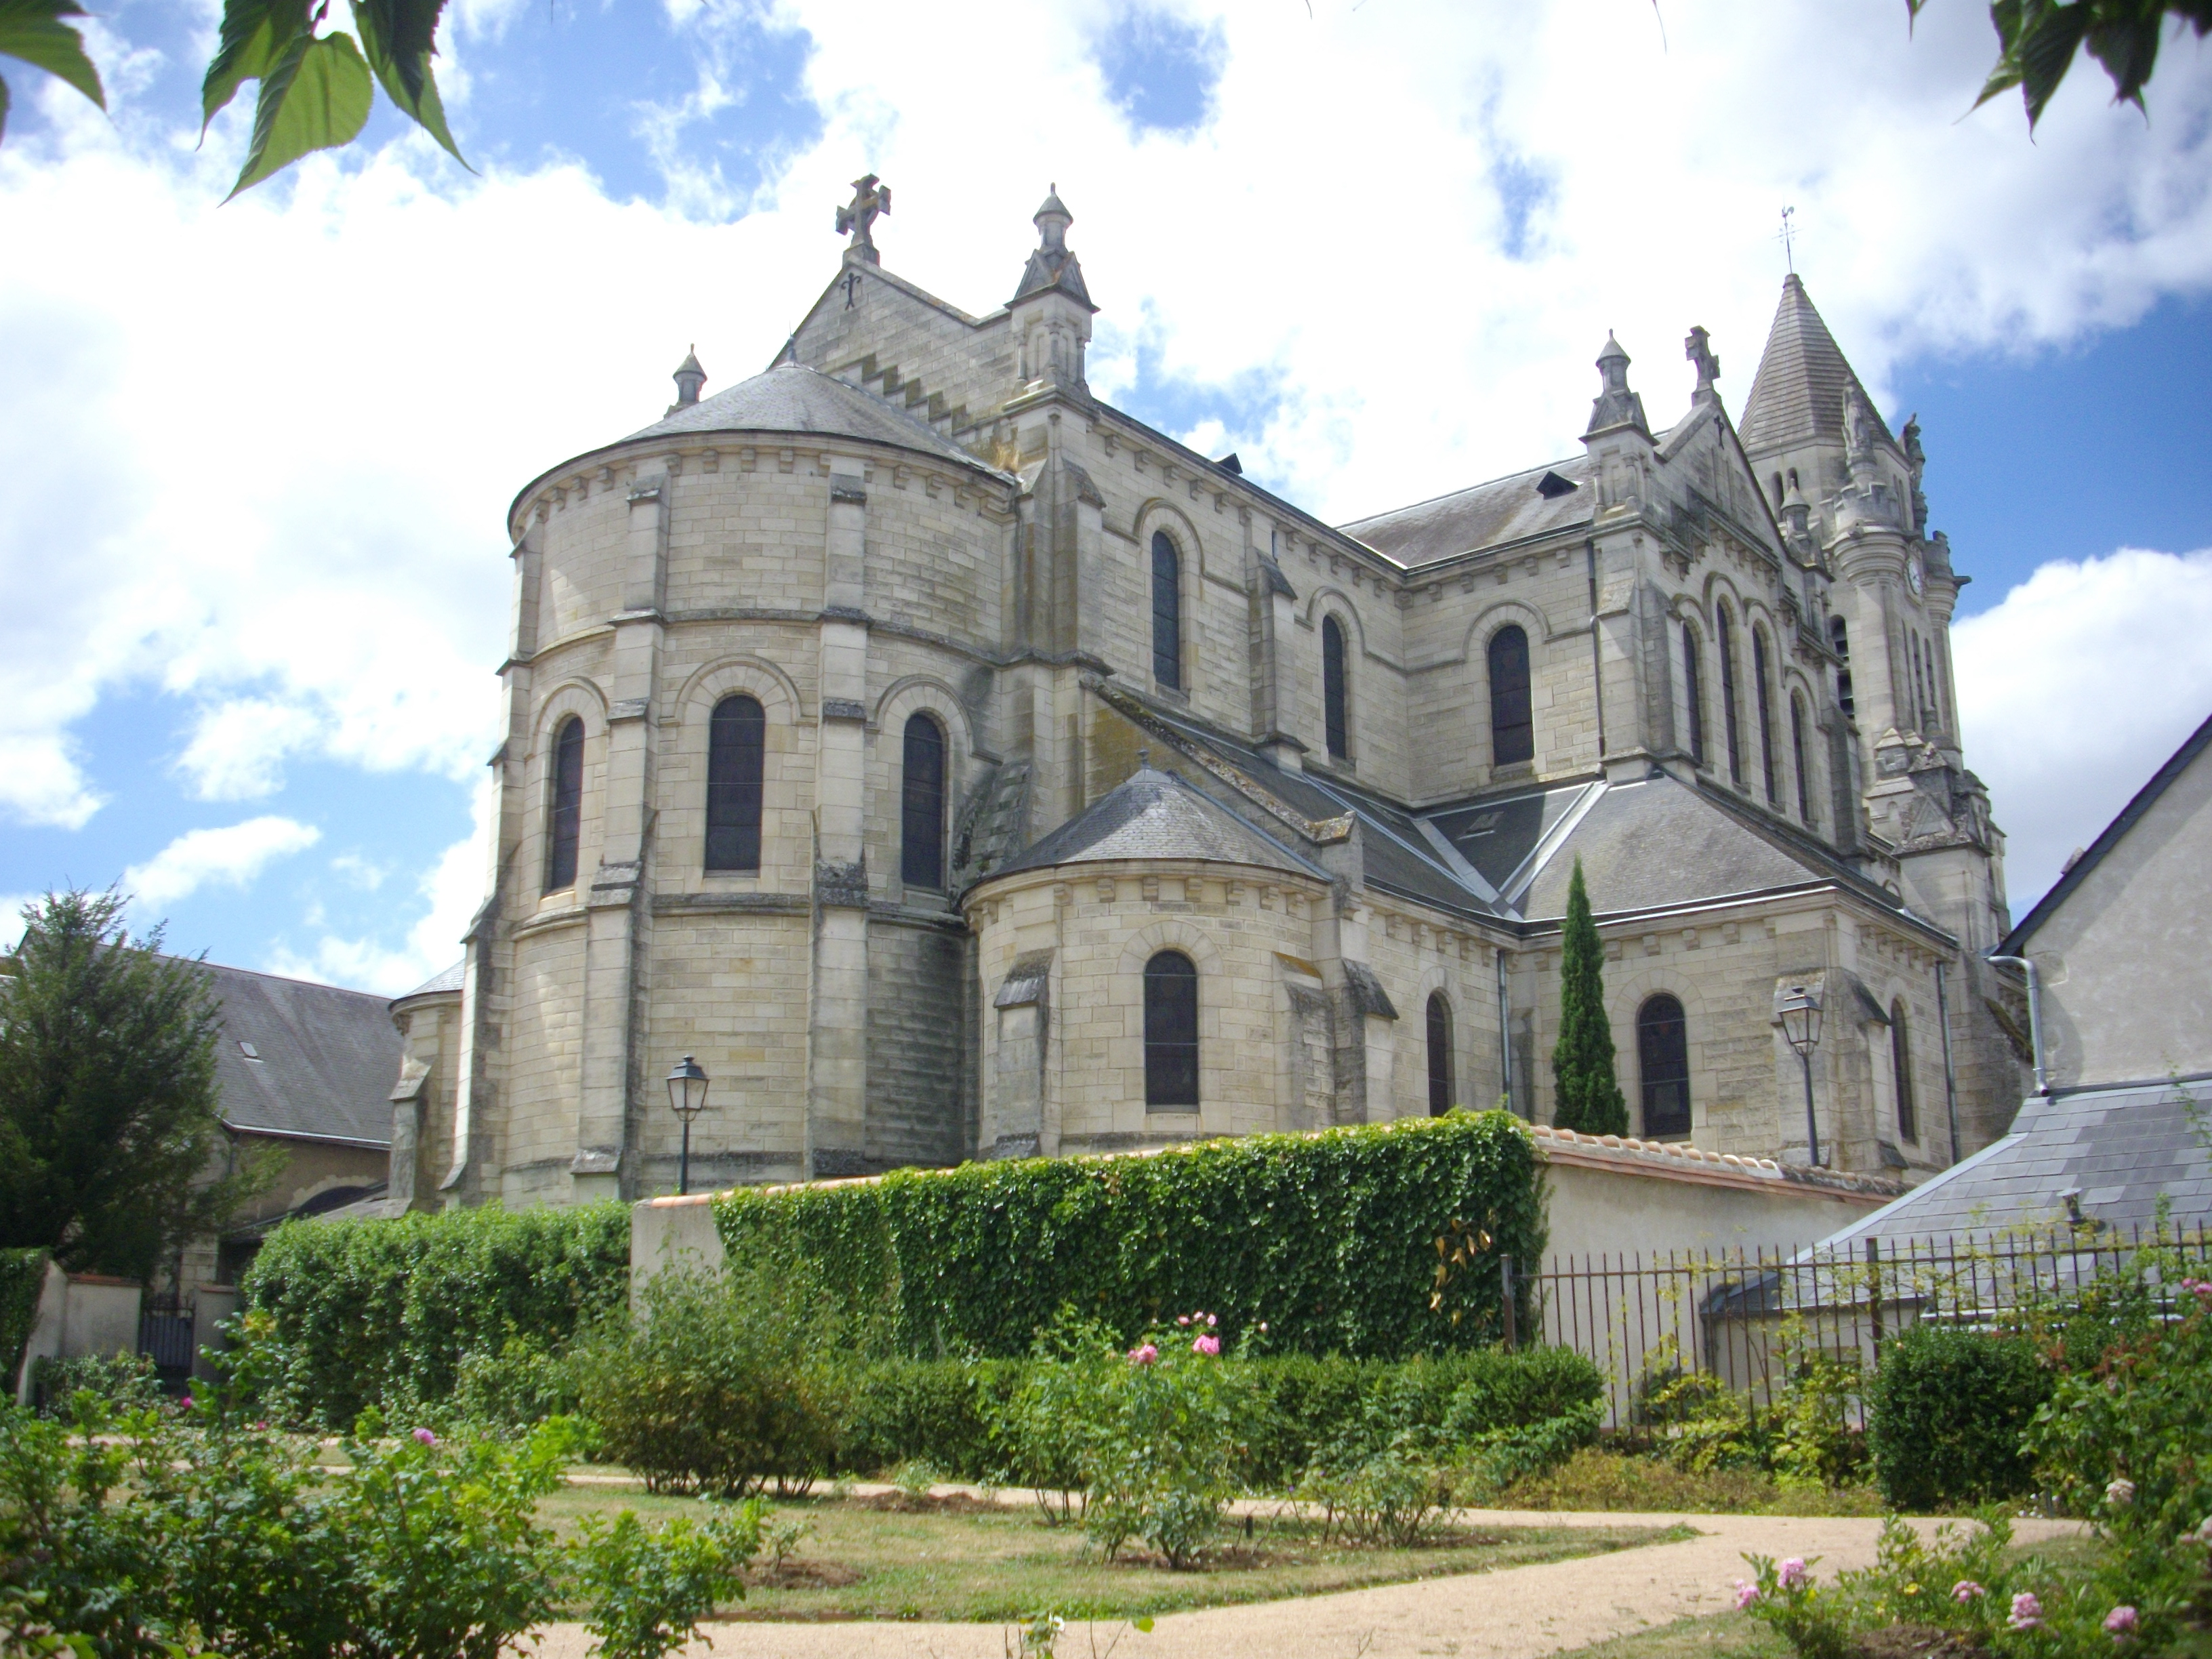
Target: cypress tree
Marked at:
1589, 1098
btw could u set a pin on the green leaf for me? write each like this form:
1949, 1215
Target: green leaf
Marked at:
33, 31
316, 96
256, 36
396, 37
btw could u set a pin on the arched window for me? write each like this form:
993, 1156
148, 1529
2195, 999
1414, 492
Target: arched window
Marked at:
1797, 758
1171, 1032
1332, 688
1512, 722
1841, 640
736, 745
1900, 1065
1440, 1056
1167, 612
1778, 492
1765, 702
1662, 1056
1694, 689
564, 806
1724, 636
1793, 477
922, 804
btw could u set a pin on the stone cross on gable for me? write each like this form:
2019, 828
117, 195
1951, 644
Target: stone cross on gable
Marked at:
1699, 349
871, 198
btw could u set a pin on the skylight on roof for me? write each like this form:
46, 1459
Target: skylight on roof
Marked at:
248, 1049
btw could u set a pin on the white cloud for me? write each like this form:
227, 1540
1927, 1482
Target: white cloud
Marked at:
2074, 689
239, 747
233, 856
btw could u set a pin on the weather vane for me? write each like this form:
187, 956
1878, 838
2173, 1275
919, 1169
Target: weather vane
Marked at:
1788, 250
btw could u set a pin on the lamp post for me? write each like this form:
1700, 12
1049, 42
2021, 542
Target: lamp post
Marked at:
687, 1093
1801, 1024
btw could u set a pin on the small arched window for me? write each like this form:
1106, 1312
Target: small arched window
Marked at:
1778, 492
1171, 1033
922, 804
1662, 1056
1764, 697
564, 805
1693, 690
1332, 696
1797, 759
1900, 1065
1840, 638
1793, 477
1724, 636
1441, 1091
736, 745
1167, 612
1512, 719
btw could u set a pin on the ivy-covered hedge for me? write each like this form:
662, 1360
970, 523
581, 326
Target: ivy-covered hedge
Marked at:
1329, 1239
22, 1275
346, 1314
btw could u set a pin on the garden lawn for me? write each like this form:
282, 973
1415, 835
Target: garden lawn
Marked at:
961, 1560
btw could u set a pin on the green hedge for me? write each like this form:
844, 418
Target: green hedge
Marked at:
1948, 1413
1329, 1239
380, 1313
22, 1273
940, 1411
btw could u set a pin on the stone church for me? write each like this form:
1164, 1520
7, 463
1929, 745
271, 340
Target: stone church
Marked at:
959, 768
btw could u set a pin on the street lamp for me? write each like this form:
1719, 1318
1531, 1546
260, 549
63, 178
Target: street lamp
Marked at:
687, 1093
1800, 1023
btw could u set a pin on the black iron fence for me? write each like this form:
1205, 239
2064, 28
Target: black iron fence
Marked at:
165, 1336
1750, 1320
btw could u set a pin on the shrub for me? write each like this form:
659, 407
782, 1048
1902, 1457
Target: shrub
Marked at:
1947, 1412
355, 1314
726, 1382
22, 1275
934, 1411
1329, 1239
650, 1589
128, 1381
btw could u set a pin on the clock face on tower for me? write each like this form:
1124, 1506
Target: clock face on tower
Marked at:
1915, 578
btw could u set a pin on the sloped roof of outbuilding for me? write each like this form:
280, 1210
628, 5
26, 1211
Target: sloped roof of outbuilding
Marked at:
1152, 814
794, 398
450, 980
1505, 509
321, 1062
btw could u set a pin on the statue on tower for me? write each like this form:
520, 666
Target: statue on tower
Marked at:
1699, 349
871, 198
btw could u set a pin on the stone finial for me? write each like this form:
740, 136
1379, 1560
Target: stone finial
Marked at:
1797, 511
1615, 405
1699, 349
1052, 220
688, 378
871, 198
1054, 266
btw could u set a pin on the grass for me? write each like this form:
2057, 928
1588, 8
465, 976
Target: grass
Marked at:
1715, 1636
1597, 1479
958, 1558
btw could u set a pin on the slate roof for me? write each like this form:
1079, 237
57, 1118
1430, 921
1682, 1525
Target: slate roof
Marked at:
327, 1057
2122, 1149
1155, 815
1798, 396
450, 980
1483, 515
2179, 762
794, 398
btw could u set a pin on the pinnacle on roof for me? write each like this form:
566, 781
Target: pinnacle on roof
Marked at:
1054, 266
1615, 405
1803, 379
688, 378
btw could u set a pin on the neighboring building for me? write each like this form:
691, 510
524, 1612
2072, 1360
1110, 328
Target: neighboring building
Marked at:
304, 1071
960, 768
2125, 994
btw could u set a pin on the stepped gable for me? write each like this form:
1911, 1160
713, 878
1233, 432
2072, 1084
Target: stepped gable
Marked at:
1798, 396
1156, 816
792, 398
1531, 503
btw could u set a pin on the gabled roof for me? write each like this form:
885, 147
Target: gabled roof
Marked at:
1155, 815
1504, 509
325, 1058
1797, 395
792, 398
2179, 762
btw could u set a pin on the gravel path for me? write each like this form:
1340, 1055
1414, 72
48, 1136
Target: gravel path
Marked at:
1515, 1614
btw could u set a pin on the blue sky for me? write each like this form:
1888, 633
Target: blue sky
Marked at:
255, 608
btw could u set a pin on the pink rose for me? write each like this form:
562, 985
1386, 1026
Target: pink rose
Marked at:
2026, 1612
1143, 1354
1967, 1590
186, 1402
1183, 1319
1745, 1595
1790, 1573
1211, 1321
2121, 1621
1206, 1345
426, 1437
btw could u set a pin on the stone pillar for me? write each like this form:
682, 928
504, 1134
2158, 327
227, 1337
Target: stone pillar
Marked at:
837, 1051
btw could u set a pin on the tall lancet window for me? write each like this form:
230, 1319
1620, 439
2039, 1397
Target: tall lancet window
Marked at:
1332, 696
922, 804
1765, 701
1724, 636
564, 805
1900, 1065
1694, 689
1797, 759
1840, 638
1167, 612
1662, 1057
1512, 719
737, 746
1171, 1033
1440, 1055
